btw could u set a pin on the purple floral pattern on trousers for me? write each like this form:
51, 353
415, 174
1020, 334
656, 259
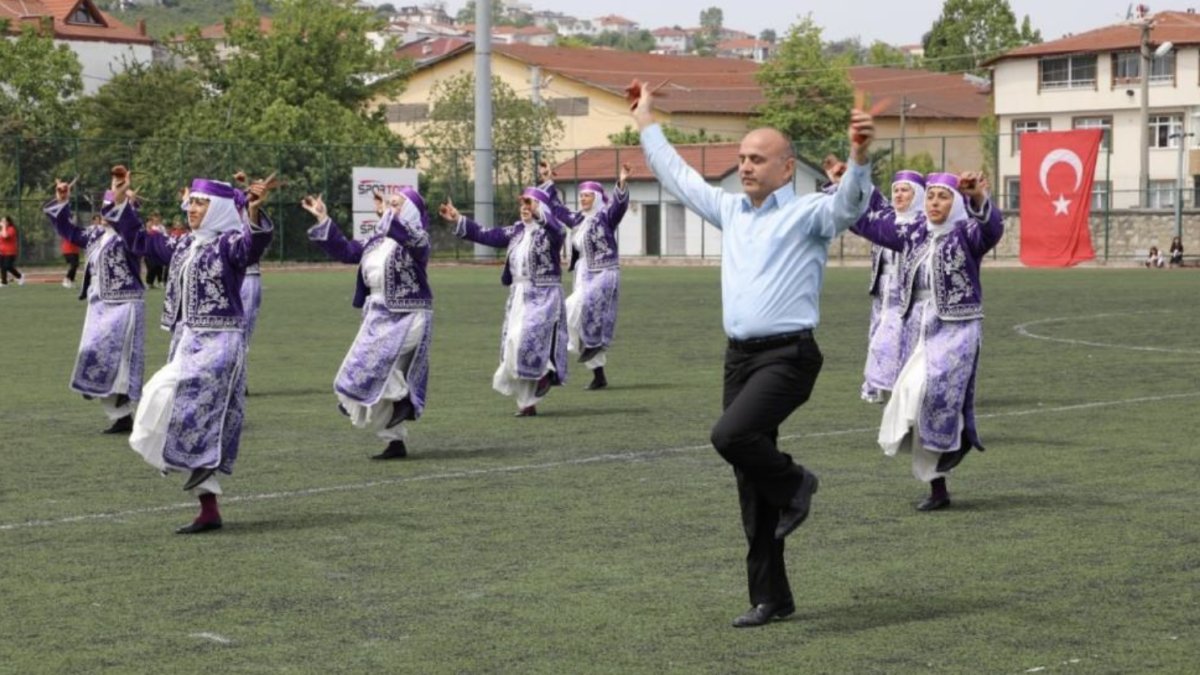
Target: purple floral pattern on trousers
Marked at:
108, 331
600, 290
884, 353
206, 420
251, 299
543, 331
952, 360
377, 349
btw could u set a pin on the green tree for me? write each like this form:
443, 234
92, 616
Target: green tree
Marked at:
637, 41
40, 84
883, 54
521, 132
847, 51
501, 16
768, 35
806, 97
969, 32
630, 136
284, 101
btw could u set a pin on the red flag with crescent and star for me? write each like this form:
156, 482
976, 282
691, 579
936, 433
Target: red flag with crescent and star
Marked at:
1057, 172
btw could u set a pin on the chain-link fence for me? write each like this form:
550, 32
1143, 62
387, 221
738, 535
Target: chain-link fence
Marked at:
28, 168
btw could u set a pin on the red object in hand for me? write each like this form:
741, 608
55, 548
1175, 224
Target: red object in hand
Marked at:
633, 94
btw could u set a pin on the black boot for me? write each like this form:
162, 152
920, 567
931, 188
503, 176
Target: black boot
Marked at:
395, 450
123, 425
402, 410
598, 379
939, 496
589, 353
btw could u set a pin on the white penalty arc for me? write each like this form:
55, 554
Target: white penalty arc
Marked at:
1023, 329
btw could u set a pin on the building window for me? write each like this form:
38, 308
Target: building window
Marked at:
1164, 130
407, 112
82, 16
1162, 68
569, 107
1027, 127
1162, 194
1012, 193
1068, 72
1103, 123
1126, 66
1100, 190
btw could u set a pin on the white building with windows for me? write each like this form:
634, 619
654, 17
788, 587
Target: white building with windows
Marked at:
1092, 80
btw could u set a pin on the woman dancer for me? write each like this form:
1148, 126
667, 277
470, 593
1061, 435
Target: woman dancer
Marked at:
592, 305
932, 408
109, 362
191, 416
883, 335
533, 340
382, 381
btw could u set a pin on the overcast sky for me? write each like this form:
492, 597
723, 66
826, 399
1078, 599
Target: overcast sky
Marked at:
894, 22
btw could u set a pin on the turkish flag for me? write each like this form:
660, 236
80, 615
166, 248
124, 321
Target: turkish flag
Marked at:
1057, 172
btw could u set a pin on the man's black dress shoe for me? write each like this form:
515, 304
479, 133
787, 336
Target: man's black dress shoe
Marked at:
123, 425
198, 476
932, 503
395, 450
589, 353
531, 411
763, 613
198, 527
797, 511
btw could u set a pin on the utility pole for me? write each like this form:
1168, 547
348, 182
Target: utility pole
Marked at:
485, 191
535, 76
903, 112
1144, 68
1179, 187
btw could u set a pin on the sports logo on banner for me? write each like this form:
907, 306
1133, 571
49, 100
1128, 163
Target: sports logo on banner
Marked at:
1058, 169
366, 180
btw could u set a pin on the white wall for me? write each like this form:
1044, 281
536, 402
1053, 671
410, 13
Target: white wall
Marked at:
1017, 96
681, 232
100, 60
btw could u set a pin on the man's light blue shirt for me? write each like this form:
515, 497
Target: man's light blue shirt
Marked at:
773, 257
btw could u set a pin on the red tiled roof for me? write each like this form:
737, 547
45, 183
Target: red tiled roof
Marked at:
931, 95
728, 86
669, 32
714, 161
1182, 28
432, 48
26, 11
613, 18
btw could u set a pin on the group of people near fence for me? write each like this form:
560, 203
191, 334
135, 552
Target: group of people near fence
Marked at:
924, 333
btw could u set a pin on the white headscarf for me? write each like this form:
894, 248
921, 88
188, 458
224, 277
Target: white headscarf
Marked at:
224, 213
917, 205
958, 208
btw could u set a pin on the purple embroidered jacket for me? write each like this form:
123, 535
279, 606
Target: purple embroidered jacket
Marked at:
544, 266
209, 295
956, 255
406, 284
117, 276
600, 243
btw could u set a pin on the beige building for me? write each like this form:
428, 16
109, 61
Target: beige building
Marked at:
1093, 80
586, 87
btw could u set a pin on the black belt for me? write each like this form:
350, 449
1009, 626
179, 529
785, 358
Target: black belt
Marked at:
762, 344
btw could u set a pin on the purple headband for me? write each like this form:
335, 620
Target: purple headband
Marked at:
215, 188
946, 180
593, 186
909, 176
538, 194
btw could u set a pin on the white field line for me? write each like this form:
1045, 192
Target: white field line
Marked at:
211, 636
542, 466
1023, 329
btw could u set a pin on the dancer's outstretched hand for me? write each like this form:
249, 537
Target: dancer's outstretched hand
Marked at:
316, 206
